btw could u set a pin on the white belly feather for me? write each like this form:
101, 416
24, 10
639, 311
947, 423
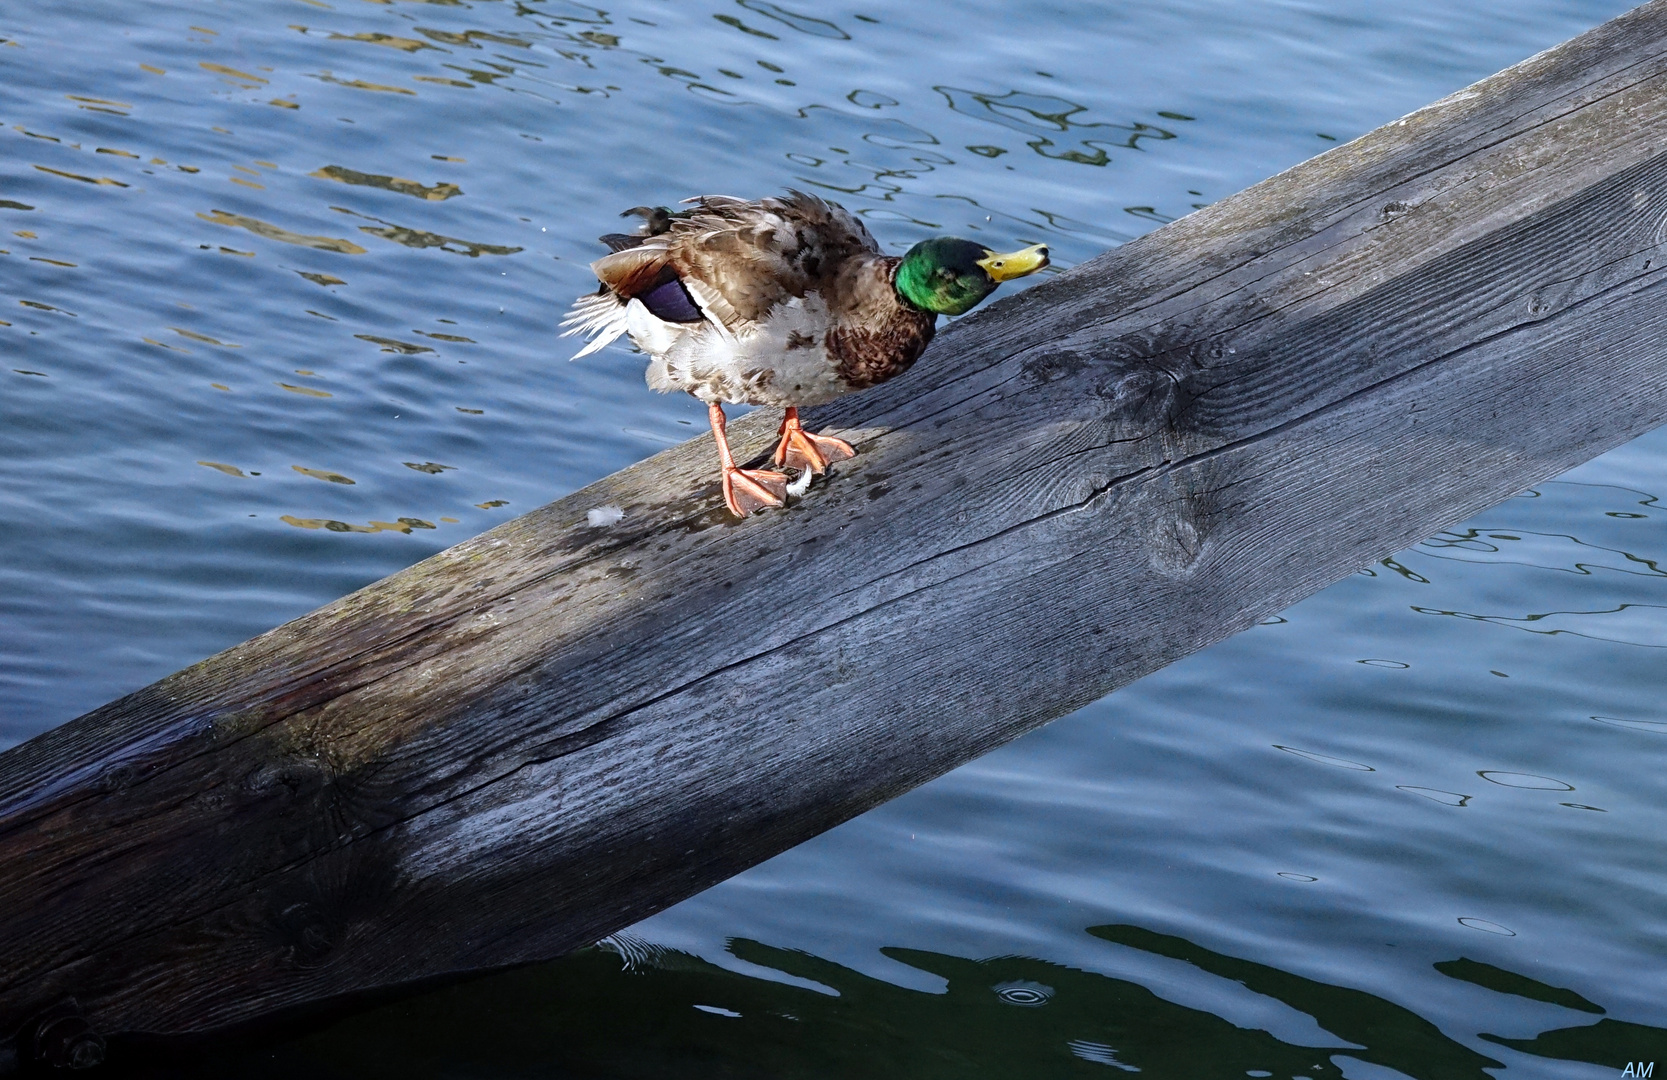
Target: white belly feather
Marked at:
782, 360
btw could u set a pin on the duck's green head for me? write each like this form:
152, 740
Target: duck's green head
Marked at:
950, 276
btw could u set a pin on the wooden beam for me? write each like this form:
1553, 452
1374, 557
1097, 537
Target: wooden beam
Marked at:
555, 729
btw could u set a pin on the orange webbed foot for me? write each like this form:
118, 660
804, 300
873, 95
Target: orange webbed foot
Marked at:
800, 449
747, 490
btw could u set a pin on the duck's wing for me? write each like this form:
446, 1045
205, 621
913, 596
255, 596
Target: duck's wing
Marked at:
600, 316
644, 270
629, 269
636, 269
737, 259
741, 259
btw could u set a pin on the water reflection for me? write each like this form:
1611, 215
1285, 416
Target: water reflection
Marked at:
1613, 1044
432, 192
361, 84
281, 234
1625, 624
420, 238
1039, 114
629, 1008
804, 24
1385, 1033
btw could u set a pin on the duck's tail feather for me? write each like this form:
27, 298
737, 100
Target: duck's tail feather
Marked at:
618, 241
599, 316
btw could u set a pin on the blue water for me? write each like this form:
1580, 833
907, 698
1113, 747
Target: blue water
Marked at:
1410, 827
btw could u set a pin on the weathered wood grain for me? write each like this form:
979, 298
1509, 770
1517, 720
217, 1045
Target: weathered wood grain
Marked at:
552, 730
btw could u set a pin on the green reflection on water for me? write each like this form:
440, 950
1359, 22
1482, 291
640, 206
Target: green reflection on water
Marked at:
1611, 1043
1509, 982
1388, 1034
630, 1009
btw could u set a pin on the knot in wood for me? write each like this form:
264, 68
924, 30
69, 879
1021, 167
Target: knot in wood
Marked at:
1144, 399
1187, 506
1176, 545
1050, 365
292, 779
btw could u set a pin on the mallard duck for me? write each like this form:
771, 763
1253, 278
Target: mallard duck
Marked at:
783, 301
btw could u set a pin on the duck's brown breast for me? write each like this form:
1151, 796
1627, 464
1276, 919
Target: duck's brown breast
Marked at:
864, 356
875, 335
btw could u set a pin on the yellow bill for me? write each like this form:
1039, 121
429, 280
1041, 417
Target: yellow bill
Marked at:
1015, 264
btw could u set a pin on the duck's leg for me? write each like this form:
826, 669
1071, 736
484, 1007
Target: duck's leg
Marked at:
799, 449
745, 490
